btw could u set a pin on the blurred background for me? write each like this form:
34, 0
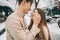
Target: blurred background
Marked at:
50, 7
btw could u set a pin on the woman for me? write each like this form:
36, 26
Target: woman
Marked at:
44, 33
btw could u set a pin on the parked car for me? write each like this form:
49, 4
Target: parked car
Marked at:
5, 10
58, 21
48, 18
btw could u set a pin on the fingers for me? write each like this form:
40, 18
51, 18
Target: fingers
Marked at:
35, 12
38, 16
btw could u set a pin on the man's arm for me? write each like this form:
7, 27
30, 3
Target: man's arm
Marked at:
18, 33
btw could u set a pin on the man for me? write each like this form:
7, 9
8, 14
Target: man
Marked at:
15, 25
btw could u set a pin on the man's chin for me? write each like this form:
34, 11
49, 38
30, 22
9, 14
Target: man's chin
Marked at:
26, 12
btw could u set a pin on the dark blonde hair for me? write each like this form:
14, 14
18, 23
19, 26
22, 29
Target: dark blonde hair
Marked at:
41, 24
19, 1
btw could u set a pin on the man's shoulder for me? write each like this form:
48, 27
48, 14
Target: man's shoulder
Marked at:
12, 17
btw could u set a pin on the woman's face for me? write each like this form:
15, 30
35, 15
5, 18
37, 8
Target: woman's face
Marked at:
35, 13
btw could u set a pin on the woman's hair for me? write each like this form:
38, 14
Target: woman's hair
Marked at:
41, 24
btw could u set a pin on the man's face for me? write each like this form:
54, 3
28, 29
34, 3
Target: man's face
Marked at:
27, 7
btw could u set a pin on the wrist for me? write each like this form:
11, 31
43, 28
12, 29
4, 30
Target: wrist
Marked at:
35, 25
34, 30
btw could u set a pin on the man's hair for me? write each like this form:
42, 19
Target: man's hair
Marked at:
19, 1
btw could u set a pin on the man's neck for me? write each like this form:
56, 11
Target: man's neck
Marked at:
20, 12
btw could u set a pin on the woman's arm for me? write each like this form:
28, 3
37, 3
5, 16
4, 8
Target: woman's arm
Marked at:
46, 33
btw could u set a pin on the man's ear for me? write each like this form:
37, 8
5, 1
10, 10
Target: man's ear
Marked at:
24, 2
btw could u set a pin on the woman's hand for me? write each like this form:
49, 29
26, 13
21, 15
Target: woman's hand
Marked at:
36, 17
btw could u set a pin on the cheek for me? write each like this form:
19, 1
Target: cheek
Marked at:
28, 5
24, 7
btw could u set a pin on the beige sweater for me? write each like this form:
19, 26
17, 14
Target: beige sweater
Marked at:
16, 29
